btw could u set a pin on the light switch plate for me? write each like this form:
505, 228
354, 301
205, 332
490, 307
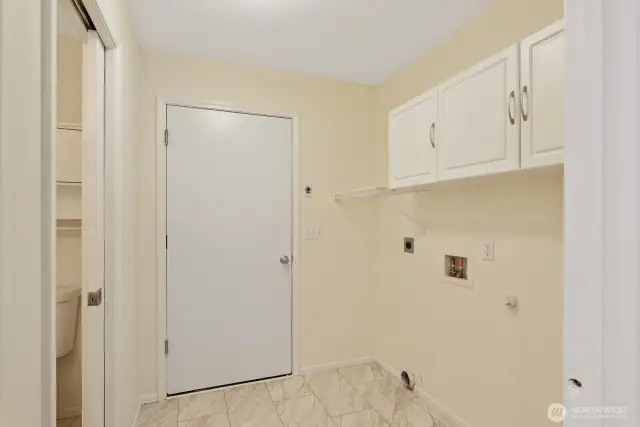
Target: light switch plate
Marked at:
314, 233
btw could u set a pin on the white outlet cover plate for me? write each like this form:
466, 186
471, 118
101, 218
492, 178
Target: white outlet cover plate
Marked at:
488, 251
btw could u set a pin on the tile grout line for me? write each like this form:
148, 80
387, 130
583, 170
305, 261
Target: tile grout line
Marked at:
313, 392
226, 405
363, 398
274, 404
352, 386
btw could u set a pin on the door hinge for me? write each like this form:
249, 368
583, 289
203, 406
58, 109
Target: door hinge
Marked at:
166, 241
166, 137
166, 346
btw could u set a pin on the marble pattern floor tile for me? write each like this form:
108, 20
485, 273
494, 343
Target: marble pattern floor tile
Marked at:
364, 395
251, 406
360, 374
304, 412
163, 414
219, 420
288, 388
366, 418
410, 414
385, 396
335, 393
200, 405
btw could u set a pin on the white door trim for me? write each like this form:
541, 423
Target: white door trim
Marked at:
161, 221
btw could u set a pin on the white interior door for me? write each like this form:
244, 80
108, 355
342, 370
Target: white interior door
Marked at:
478, 123
93, 231
229, 216
412, 146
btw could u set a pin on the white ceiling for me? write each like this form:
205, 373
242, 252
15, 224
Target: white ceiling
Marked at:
357, 40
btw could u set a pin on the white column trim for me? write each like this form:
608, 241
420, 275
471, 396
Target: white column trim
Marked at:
27, 227
602, 211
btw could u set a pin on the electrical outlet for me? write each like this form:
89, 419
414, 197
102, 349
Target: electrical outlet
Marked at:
487, 251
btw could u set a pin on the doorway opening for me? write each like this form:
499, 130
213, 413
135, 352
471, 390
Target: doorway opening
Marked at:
80, 220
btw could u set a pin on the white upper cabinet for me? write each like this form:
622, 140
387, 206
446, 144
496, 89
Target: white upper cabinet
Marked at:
478, 128
542, 97
412, 145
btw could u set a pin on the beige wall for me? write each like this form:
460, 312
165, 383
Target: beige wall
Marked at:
491, 366
69, 79
335, 286
68, 243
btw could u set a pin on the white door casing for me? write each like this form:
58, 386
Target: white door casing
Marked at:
412, 145
93, 236
542, 96
478, 128
229, 221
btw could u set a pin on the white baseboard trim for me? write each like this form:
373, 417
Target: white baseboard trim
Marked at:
389, 368
144, 399
69, 412
335, 365
443, 415
148, 398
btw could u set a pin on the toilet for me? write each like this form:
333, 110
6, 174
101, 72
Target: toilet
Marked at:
66, 316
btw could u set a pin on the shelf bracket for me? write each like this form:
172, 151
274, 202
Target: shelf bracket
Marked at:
419, 224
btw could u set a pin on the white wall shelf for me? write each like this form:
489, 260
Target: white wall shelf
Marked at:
68, 224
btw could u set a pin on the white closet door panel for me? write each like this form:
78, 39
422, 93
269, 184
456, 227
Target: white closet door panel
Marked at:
542, 97
412, 150
69, 155
93, 231
478, 126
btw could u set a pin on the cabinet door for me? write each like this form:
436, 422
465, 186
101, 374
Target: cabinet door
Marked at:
69, 155
542, 97
412, 147
478, 119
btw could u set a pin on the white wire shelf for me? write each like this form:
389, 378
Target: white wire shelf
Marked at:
361, 193
380, 191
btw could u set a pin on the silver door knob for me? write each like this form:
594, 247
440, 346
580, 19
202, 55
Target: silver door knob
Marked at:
284, 260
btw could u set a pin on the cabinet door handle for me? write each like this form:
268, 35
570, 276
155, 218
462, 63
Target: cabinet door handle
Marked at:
512, 101
524, 93
432, 131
